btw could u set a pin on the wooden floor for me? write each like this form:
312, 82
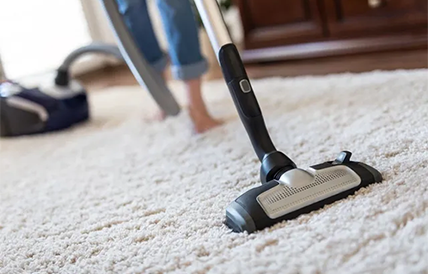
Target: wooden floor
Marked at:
120, 75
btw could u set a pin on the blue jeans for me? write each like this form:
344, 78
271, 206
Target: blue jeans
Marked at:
181, 32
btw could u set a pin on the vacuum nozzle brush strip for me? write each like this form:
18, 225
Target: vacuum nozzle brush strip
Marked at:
286, 191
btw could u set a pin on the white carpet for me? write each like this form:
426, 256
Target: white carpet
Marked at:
124, 195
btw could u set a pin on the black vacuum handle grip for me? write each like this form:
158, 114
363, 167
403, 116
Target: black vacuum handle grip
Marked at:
235, 76
245, 101
237, 81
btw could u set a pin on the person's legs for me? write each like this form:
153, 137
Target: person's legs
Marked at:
187, 61
137, 19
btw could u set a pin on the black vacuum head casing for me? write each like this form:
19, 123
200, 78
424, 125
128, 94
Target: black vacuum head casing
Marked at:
273, 164
297, 192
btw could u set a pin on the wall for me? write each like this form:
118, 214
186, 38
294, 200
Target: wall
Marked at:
37, 35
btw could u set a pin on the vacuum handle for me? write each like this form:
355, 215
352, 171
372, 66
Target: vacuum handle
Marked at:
236, 77
245, 101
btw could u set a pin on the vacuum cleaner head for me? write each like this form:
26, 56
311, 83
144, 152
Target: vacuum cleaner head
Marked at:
37, 109
298, 191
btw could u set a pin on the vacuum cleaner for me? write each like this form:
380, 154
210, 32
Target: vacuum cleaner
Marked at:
286, 191
44, 107
60, 102
49, 104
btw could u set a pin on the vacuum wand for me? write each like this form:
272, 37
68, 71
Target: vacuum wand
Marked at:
236, 77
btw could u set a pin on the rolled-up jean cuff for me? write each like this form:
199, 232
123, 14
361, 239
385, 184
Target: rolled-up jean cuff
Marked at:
160, 64
190, 71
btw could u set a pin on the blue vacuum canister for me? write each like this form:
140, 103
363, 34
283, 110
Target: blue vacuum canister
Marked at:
26, 109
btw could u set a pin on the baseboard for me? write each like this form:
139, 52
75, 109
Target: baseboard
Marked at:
335, 48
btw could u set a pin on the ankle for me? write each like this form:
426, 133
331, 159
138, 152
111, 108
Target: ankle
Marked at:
197, 110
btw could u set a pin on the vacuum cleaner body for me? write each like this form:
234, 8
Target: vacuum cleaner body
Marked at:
43, 108
286, 191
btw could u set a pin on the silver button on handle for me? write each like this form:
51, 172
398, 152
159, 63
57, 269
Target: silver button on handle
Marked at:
245, 86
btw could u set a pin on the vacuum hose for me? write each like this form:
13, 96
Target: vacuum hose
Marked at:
63, 76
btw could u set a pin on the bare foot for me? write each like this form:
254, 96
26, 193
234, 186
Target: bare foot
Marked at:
202, 121
158, 117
